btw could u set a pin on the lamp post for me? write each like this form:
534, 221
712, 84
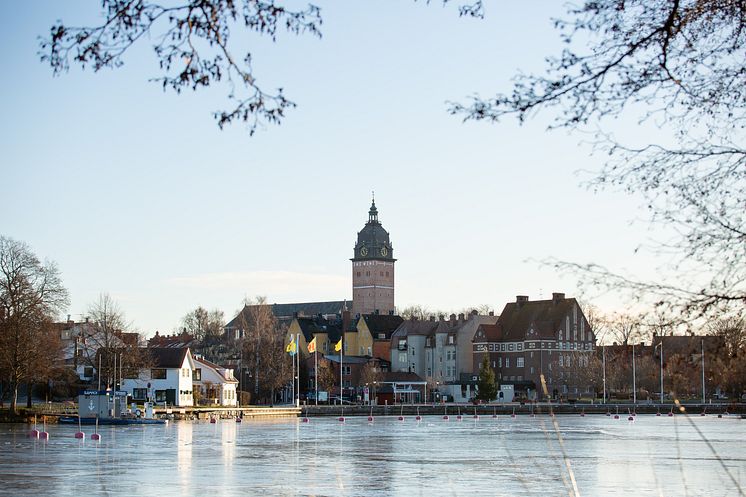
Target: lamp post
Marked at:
702, 341
634, 377
660, 344
603, 360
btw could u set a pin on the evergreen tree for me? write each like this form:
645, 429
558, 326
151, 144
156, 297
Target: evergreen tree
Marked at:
487, 385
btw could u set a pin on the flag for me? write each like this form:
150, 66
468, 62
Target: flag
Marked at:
312, 346
291, 347
338, 346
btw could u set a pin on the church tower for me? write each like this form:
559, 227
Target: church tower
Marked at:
373, 269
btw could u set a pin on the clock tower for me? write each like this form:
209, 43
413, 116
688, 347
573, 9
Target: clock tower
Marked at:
373, 269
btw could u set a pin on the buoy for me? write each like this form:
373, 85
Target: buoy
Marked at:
459, 418
631, 418
670, 414
608, 413
658, 413
445, 417
418, 418
96, 437
238, 419
34, 433
213, 420
720, 416
306, 420
370, 419
616, 416
44, 435
80, 435
401, 418
341, 419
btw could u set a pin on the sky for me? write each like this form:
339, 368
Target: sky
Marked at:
137, 193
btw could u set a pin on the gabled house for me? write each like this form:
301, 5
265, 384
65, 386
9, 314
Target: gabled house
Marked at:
375, 330
531, 338
216, 385
167, 379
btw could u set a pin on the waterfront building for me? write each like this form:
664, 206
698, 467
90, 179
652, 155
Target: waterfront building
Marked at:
216, 385
440, 351
166, 379
531, 338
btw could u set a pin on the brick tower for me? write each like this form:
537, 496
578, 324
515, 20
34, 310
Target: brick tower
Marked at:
373, 269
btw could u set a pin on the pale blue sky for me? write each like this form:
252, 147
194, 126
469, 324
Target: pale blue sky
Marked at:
137, 193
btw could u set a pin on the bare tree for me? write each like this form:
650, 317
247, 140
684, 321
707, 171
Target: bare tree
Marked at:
325, 375
202, 324
370, 374
680, 64
110, 343
263, 349
624, 329
31, 294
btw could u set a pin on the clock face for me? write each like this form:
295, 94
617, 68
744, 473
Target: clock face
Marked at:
364, 251
384, 251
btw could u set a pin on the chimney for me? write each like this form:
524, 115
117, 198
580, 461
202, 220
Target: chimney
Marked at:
492, 313
441, 317
558, 297
461, 316
376, 313
452, 318
521, 299
68, 319
391, 312
474, 312
432, 318
346, 319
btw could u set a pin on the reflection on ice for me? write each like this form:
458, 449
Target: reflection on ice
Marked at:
504, 456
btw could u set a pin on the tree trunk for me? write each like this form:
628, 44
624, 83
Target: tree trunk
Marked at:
13, 395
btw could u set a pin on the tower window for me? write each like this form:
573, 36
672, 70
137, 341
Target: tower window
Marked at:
387, 274
358, 273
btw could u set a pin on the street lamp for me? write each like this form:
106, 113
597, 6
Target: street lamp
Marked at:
660, 344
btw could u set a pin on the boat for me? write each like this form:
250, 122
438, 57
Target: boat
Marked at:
69, 420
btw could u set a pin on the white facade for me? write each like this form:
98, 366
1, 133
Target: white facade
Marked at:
164, 383
217, 385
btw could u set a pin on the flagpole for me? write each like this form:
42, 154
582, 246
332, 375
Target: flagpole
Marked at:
297, 341
341, 358
316, 374
292, 387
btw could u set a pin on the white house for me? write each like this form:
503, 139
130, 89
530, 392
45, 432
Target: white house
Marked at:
216, 385
167, 379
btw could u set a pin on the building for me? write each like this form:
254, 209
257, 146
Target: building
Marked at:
378, 328
216, 385
373, 269
534, 338
440, 351
167, 379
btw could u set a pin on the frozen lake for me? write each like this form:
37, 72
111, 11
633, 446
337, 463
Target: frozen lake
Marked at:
658, 456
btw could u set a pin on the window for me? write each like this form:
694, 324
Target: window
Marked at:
358, 273
450, 340
402, 344
197, 374
346, 370
402, 357
160, 395
381, 273
158, 374
561, 362
520, 346
519, 362
507, 362
367, 273
387, 274
382, 336
500, 362
87, 372
139, 393
532, 370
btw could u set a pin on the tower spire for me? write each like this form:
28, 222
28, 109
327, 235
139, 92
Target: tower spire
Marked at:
373, 212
